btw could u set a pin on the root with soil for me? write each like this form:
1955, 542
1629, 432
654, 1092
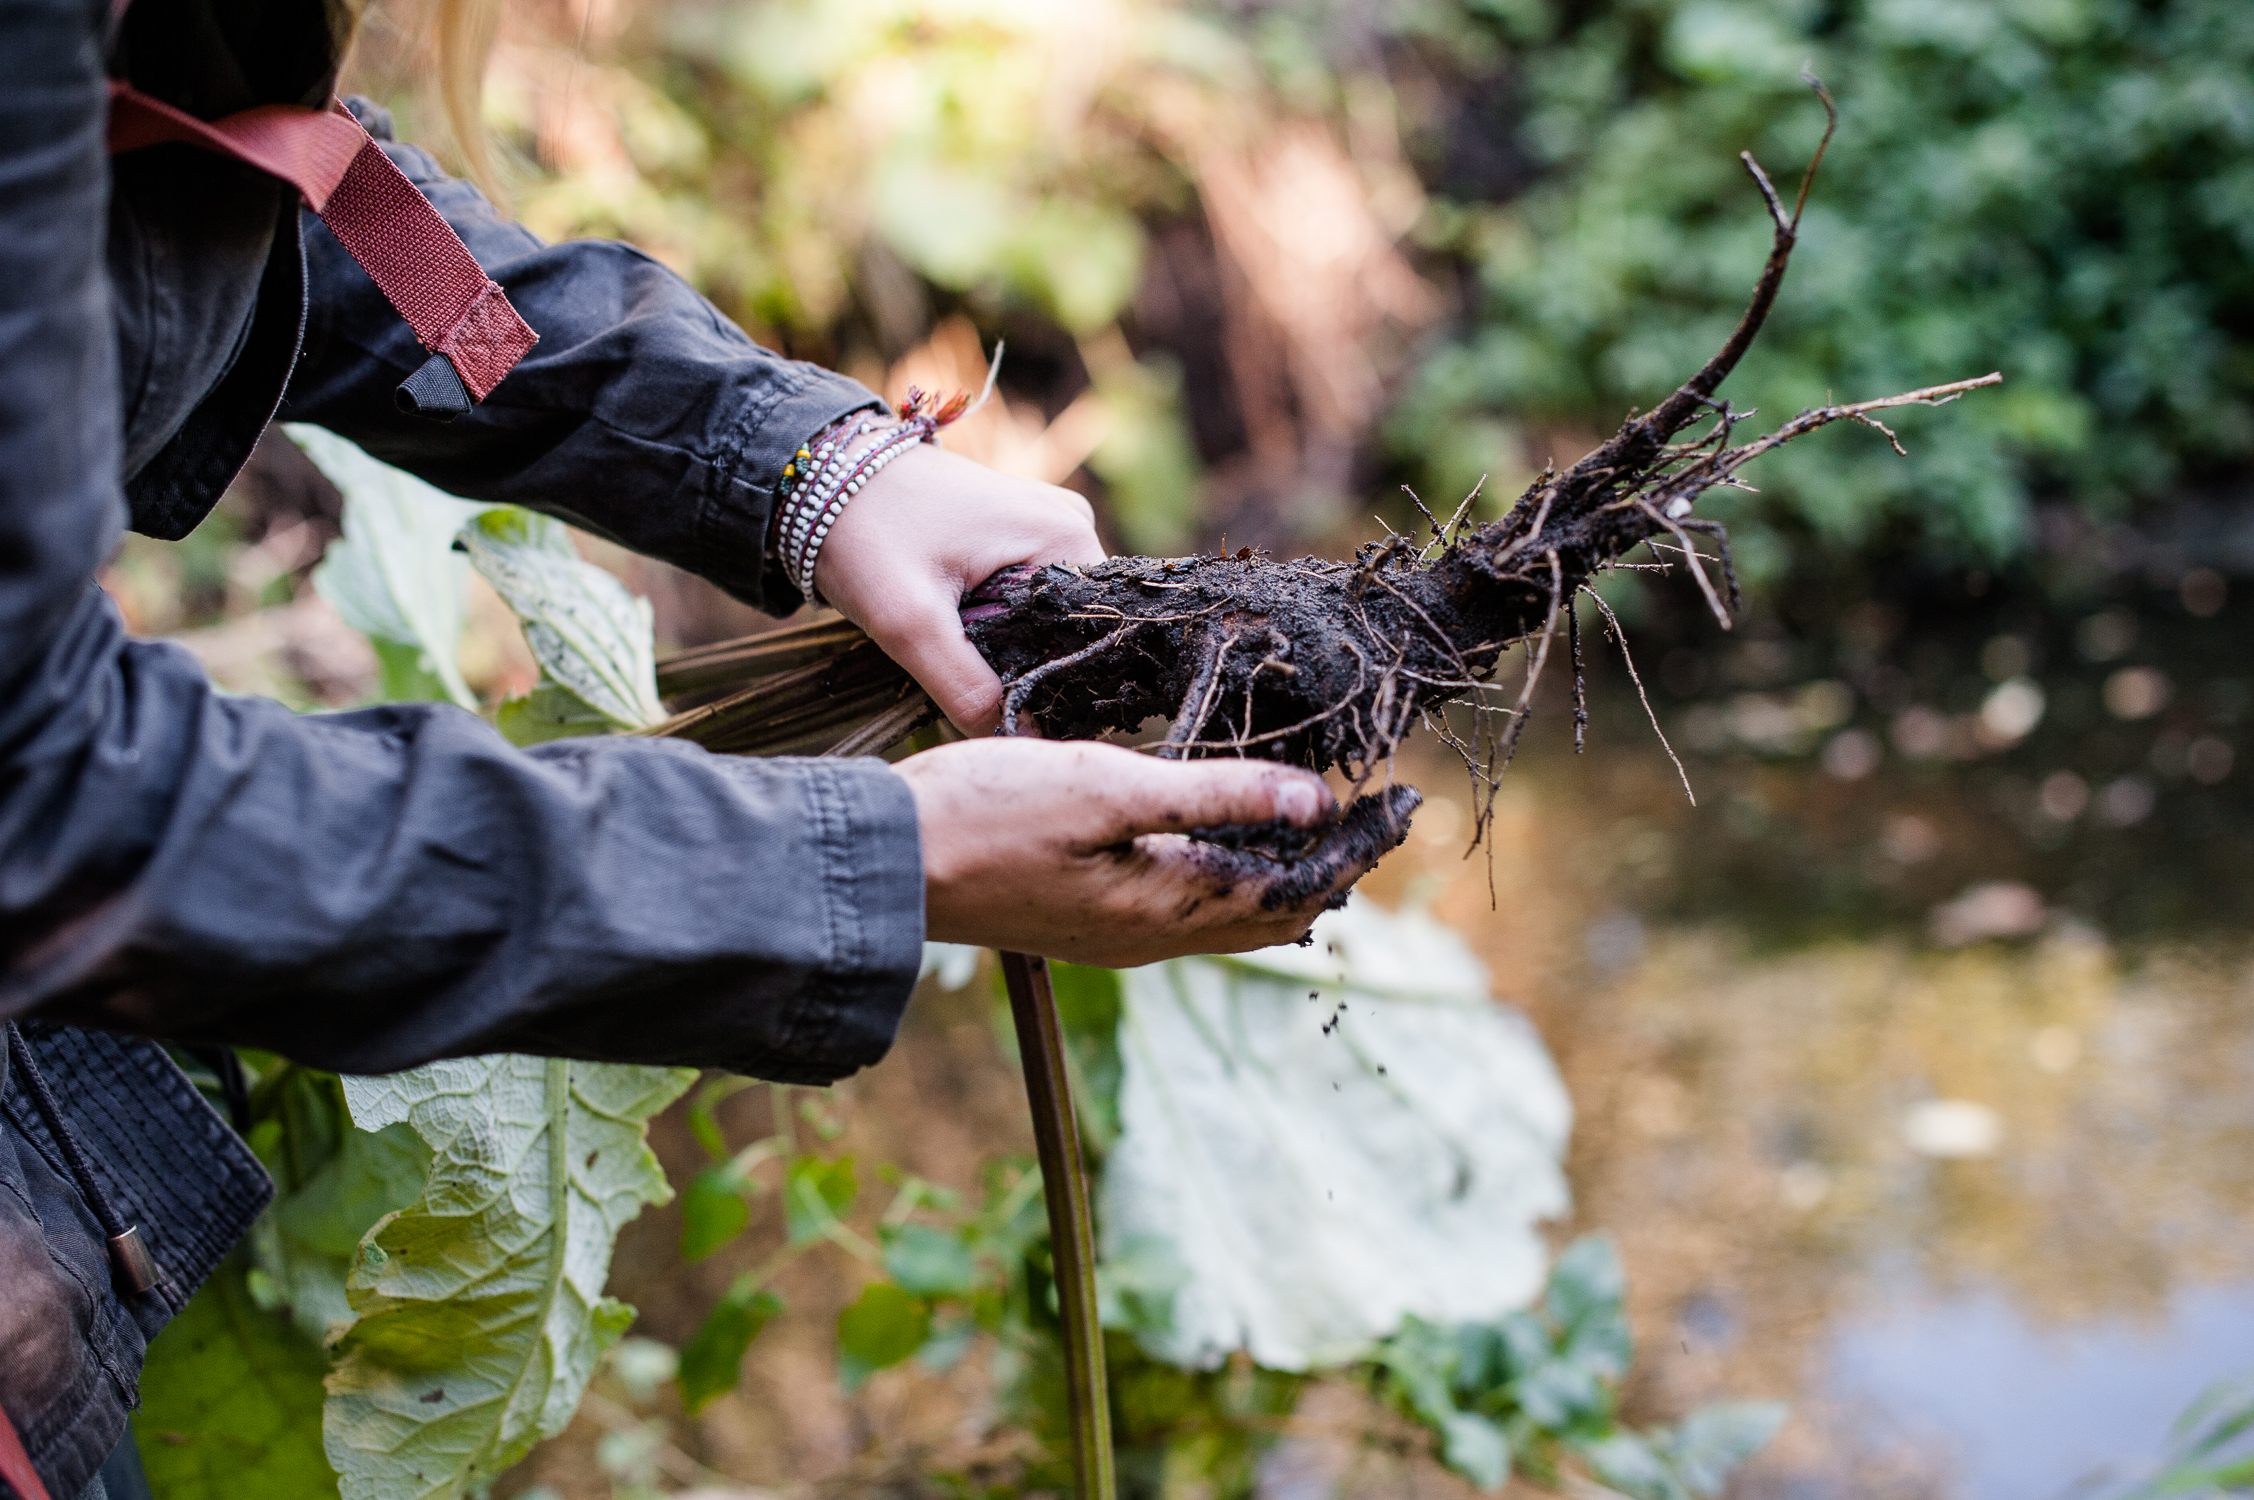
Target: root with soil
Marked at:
1321, 664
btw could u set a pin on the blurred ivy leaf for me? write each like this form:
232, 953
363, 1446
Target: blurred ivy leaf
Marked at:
712, 1359
1712, 1441
480, 1306
816, 1192
713, 1212
1333, 1138
394, 576
884, 1326
592, 637
929, 1262
231, 1401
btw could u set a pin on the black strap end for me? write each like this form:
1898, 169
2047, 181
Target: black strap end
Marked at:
434, 391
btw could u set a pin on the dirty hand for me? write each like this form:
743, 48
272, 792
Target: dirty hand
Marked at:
1074, 851
926, 531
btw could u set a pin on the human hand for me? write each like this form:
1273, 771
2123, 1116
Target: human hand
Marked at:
1073, 850
925, 531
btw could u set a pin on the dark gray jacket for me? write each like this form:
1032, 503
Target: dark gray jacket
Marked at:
370, 890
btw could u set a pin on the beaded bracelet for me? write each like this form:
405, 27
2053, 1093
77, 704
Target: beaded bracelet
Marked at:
825, 473
869, 466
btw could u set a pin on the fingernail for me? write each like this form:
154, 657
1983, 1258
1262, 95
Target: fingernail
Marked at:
1299, 801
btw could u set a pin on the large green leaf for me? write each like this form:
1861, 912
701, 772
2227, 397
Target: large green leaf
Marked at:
333, 1183
231, 1401
480, 1306
395, 576
1333, 1138
590, 635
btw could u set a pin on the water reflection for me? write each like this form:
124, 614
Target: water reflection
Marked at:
1996, 1406
1968, 1181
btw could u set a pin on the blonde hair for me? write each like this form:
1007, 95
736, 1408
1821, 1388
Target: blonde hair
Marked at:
465, 33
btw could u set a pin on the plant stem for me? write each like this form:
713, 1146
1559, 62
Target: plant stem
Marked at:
1072, 1248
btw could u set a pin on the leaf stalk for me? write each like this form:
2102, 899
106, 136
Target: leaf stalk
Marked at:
1072, 1241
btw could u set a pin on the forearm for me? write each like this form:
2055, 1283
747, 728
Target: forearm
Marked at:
643, 414
371, 890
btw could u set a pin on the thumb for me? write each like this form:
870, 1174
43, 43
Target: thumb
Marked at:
1147, 795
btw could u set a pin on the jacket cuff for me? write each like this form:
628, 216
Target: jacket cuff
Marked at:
732, 530
868, 916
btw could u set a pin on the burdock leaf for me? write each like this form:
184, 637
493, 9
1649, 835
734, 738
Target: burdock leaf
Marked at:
591, 636
231, 1401
394, 576
481, 1313
314, 1233
1334, 1138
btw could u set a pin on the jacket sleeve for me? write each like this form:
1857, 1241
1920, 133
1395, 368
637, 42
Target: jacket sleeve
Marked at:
643, 414
368, 890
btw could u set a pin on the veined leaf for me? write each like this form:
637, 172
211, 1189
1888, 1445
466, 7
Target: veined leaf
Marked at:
1333, 1138
231, 1401
591, 636
481, 1313
395, 576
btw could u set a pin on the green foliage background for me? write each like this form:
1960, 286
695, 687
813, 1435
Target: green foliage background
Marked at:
2059, 189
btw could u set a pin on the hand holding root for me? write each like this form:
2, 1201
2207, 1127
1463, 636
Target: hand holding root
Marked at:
1092, 853
923, 533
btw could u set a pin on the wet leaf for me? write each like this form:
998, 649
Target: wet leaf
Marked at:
712, 1359
592, 638
1324, 1172
394, 576
480, 1306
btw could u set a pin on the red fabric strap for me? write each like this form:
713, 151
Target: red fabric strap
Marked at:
15, 1464
383, 221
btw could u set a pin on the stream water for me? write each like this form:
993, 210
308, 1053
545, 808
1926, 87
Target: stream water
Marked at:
1915, 1064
